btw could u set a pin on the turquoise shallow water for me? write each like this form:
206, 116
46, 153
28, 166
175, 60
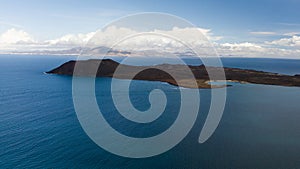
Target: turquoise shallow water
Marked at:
39, 128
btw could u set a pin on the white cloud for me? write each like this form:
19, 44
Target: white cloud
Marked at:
240, 46
71, 39
256, 50
293, 41
263, 33
275, 33
240, 49
189, 33
110, 36
291, 33
159, 40
13, 36
19, 40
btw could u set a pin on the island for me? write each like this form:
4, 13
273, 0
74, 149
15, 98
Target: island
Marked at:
107, 68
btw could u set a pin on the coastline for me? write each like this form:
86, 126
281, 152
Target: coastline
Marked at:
201, 78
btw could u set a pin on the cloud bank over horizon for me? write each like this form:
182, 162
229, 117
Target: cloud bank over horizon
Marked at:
17, 41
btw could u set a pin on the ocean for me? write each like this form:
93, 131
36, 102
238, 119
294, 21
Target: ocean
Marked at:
39, 127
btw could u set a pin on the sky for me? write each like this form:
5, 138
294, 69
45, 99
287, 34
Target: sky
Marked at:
269, 26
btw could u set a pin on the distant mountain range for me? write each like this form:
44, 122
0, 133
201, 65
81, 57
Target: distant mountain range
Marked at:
102, 50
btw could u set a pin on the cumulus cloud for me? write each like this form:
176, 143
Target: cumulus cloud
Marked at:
158, 40
189, 33
19, 40
109, 36
113, 34
240, 49
13, 36
121, 38
293, 41
71, 39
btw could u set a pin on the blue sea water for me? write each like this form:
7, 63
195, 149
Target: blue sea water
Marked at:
39, 128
